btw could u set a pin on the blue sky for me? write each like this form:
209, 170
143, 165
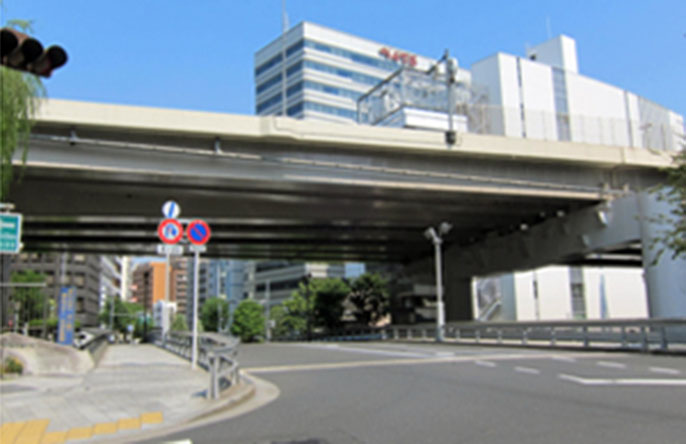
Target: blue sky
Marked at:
199, 54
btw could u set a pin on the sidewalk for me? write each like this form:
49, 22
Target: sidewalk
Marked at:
135, 387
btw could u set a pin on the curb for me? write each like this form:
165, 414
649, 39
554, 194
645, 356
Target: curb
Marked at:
231, 399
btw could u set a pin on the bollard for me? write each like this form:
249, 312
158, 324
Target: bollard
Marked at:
644, 339
624, 337
500, 336
553, 337
587, 341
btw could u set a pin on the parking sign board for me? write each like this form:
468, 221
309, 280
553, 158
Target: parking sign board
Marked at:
198, 232
170, 231
10, 233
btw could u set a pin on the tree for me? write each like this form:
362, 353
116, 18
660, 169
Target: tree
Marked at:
20, 94
248, 321
369, 294
214, 314
179, 323
673, 191
29, 299
329, 295
320, 302
125, 314
290, 317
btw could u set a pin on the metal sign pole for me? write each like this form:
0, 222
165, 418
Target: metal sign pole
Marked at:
194, 352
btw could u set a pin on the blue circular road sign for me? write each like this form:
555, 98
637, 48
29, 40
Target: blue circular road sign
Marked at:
198, 232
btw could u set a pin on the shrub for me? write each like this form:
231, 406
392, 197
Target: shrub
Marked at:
13, 365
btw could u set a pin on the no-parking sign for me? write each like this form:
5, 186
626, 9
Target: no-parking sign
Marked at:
170, 231
198, 232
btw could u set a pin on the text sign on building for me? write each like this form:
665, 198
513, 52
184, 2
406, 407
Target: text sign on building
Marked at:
399, 56
170, 231
10, 233
198, 232
67, 312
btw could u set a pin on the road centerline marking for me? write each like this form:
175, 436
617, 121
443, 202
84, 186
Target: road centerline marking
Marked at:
610, 364
528, 370
665, 370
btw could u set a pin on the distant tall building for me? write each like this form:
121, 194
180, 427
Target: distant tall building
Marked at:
149, 280
276, 280
222, 278
92, 275
314, 72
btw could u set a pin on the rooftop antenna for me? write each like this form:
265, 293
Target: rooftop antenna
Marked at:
284, 29
284, 17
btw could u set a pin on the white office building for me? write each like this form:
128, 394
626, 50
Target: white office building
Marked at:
325, 72
334, 76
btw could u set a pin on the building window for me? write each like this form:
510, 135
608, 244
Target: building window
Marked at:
269, 103
345, 73
333, 110
294, 110
268, 64
355, 57
269, 83
578, 301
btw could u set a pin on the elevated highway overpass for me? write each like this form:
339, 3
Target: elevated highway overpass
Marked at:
96, 176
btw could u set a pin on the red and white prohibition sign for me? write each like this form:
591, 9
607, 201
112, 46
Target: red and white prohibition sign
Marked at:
170, 231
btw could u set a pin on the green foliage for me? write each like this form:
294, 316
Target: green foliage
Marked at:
125, 313
248, 321
29, 299
12, 365
290, 317
215, 314
19, 96
328, 308
320, 301
179, 323
369, 294
674, 192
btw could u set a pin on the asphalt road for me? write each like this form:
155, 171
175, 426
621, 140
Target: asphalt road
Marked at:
413, 393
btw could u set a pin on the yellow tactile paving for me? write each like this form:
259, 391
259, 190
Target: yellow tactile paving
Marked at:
105, 428
54, 438
79, 433
32, 432
151, 418
9, 432
129, 424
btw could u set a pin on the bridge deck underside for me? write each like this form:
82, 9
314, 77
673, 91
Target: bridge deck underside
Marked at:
102, 195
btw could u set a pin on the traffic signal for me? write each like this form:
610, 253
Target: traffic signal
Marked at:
22, 52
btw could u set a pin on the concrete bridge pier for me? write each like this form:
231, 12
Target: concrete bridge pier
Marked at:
665, 278
458, 298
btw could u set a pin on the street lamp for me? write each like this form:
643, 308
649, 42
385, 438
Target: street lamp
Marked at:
436, 237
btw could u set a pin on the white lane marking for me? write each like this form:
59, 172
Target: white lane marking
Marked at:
610, 364
488, 364
623, 381
366, 350
528, 370
443, 354
563, 358
665, 370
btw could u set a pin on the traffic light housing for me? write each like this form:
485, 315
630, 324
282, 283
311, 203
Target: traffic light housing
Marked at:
24, 53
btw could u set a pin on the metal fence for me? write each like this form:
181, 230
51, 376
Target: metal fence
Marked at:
216, 354
625, 334
409, 89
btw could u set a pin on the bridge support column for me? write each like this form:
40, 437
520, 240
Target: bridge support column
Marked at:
665, 283
458, 298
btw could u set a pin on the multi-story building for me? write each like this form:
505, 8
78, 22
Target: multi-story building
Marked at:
276, 280
222, 278
150, 279
85, 272
313, 72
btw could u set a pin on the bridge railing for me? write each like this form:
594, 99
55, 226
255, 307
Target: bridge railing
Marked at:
629, 334
216, 354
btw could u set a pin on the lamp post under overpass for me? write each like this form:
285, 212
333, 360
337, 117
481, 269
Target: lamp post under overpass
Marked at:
436, 237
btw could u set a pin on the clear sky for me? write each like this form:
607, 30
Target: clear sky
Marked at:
199, 54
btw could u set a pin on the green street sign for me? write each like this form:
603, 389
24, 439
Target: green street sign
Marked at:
10, 233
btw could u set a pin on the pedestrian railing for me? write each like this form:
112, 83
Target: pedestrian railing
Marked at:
216, 354
629, 334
